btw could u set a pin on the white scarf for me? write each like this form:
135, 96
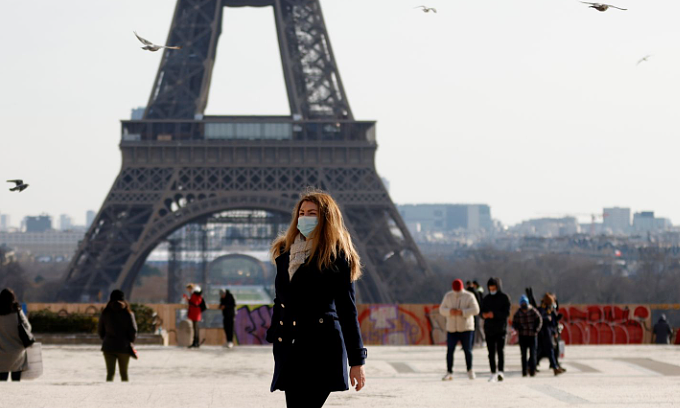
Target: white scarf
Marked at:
299, 252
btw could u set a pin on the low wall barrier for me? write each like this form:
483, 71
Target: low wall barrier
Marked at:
400, 324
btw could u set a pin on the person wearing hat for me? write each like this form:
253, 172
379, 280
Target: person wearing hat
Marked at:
118, 330
228, 306
662, 331
459, 307
527, 321
495, 312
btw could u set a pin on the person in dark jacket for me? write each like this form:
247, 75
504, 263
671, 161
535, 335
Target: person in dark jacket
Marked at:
194, 312
527, 321
548, 332
314, 327
13, 357
118, 330
495, 312
228, 306
662, 331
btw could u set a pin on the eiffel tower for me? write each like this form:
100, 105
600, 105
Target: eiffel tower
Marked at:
179, 166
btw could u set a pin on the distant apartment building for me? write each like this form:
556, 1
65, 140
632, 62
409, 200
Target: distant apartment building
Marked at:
89, 218
547, 227
646, 222
4, 222
429, 218
40, 223
46, 243
616, 220
65, 222
137, 113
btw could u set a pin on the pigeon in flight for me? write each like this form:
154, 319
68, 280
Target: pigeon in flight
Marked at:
20, 186
643, 59
427, 9
602, 7
149, 46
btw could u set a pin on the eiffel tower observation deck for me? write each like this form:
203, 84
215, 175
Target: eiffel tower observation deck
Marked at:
180, 166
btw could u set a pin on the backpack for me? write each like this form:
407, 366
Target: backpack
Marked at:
203, 306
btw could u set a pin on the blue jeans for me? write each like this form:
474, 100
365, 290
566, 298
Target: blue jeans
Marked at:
465, 339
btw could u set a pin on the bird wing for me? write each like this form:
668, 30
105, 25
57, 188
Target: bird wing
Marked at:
592, 4
171, 47
420, 7
616, 7
144, 41
434, 9
17, 182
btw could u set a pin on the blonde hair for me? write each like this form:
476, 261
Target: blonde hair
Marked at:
330, 235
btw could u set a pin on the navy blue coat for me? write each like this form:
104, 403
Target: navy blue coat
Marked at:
314, 327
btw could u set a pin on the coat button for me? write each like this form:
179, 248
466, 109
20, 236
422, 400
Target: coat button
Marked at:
294, 323
281, 322
320, 320
283, 306
280, 339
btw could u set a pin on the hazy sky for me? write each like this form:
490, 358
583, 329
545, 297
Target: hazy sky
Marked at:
535, 107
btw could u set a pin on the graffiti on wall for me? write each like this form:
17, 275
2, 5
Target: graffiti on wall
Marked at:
605, 324
252, 322
402, 324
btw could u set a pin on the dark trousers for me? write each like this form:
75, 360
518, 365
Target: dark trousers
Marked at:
305, 398
123, 360
528, 343
196, 332
16, 376
548, 350
496, 344
465, 339
228, 322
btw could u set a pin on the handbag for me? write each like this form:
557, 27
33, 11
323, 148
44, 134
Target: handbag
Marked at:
26, 337
133, 351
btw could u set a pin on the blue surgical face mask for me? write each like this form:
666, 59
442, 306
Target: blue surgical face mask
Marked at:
306, 225
493, 292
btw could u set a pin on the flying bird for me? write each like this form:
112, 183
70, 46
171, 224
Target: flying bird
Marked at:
643, 59
602, 7
427, 9
149, 46
20, 186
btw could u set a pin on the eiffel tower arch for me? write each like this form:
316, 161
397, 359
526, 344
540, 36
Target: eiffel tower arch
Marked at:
179, 166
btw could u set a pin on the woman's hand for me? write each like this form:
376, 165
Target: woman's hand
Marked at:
357, 377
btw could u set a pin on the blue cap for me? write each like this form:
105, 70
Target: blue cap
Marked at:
523, 299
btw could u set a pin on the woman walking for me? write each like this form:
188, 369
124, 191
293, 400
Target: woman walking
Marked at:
314, 325
118, 329
12, 351
196, 305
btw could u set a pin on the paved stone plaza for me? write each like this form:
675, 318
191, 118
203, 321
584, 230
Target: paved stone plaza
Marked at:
168, 377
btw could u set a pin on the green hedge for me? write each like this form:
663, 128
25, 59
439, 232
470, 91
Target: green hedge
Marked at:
45, 321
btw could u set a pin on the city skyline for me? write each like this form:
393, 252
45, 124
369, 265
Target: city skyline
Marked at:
556, 123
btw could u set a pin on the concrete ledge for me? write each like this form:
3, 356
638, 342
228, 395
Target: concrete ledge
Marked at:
88, 338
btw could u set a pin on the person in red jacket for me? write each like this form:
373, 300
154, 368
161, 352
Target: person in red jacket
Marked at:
196, 305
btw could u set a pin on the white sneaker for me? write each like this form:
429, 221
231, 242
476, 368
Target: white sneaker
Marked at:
471, 375
448, 377
493, 378
501, 376
230, 345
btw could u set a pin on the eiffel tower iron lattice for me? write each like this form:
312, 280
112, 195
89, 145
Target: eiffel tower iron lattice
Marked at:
179, 166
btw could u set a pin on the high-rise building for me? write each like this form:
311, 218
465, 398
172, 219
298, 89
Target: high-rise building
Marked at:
137, 113
65, 222
446, 217
617, 220
89, 218
40, 223
4, 222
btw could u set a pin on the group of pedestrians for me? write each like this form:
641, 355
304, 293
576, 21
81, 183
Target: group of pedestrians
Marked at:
536, 326
196, 306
